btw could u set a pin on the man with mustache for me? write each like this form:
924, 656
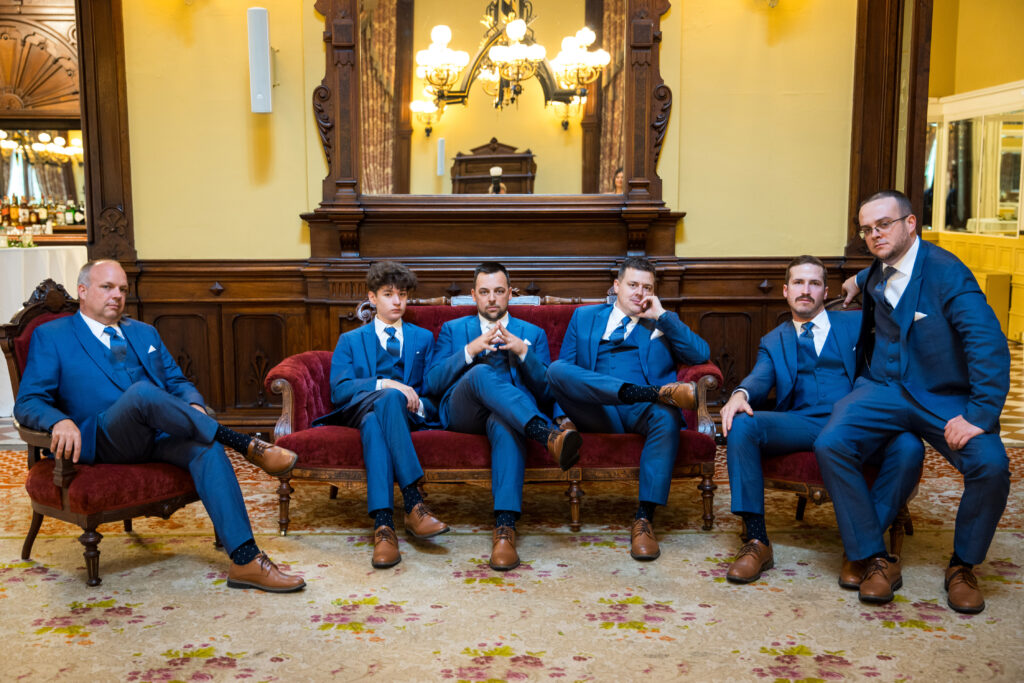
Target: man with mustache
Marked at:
933, 361
616, 373
376, 387
489, 369
810, 362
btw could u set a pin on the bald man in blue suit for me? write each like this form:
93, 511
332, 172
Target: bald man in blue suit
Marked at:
933, 361
108, 390
810, 361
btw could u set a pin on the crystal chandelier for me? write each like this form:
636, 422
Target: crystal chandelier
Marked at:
508, 57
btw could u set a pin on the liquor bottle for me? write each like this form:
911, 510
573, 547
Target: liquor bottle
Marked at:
5, 212
80, 214
58, 213
42, 212
69, 213
14, 210
33, 214
23, 210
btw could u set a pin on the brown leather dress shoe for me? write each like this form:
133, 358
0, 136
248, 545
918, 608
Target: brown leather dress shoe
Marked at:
851, 573
564, 447
962, 586
880, 581
385, 548
421, 522
752, 559
503, 552
643, 545
682, 395
272, 459
263, 574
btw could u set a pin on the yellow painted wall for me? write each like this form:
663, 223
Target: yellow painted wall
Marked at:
989, 50
756, 151
525, 125
210, 179
759, 141
942, 72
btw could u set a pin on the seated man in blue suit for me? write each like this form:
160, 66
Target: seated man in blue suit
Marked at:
489, 368
110, 392
934, 362
376, 387
811, 363
616, 373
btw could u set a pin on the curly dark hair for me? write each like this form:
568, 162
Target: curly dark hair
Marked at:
384, 273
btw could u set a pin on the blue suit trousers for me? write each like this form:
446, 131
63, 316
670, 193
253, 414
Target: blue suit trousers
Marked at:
147, 424
388, 453
767, 434
484, 402
862, 422
591, 400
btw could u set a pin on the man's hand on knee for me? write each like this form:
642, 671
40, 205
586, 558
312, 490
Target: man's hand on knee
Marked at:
737, 403
959, 431
66, 440
412, 399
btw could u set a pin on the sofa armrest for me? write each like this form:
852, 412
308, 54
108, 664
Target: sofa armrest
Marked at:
303, 382
38, 441
705, 377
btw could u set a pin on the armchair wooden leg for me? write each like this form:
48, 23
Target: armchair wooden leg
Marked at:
91, 540
33, 529
127, 526
707, 493
574, 492
801, 507
284, 498
334, 492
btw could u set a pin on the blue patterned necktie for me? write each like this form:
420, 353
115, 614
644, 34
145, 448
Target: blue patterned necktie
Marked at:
887, 273
618, 335
118, 346
806, 337
394, 347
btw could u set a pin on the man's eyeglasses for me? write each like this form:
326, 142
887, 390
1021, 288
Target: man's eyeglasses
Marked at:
880, 226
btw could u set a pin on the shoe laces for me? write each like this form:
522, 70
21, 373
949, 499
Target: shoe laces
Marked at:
420, 510
964, 574
878, 566
504, 533
385, 533
749, 548
643, 527
265, 563
259, 447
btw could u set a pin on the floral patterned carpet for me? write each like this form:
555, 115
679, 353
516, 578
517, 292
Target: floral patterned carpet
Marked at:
577, 609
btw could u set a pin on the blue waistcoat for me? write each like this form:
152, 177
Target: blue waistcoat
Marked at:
389, 367
821, 379
621, 362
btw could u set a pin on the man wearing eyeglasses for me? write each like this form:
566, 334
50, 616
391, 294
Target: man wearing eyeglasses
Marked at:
932, 361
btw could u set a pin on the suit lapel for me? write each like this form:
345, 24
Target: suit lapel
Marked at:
369, 342
845, 341
140, 347
597, 324
788, 340
516, 328
95, 350
409, 346
908, 302
643, 342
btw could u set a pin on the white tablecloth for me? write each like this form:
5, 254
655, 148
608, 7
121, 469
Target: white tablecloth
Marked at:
21, 271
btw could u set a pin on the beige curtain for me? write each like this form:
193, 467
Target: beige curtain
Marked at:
613, 94
377, 96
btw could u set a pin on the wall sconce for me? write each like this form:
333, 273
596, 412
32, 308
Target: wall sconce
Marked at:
427, 113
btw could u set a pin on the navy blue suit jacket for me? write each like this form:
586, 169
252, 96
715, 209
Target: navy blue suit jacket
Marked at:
448, 363
954, 360
354, 366
658, 357
69, 375
776, 365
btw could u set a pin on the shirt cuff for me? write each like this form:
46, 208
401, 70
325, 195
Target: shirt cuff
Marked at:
745, 392
380, 385
465, 353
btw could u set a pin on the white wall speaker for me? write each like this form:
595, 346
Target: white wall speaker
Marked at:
259, 60
440, 157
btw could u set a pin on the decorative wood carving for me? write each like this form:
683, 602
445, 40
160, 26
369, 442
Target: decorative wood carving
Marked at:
260, 345
471, 173
187, 340
39, 61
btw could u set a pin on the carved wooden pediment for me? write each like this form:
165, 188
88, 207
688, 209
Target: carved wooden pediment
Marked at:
38, 64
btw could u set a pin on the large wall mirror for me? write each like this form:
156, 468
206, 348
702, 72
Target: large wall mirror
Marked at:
417, 133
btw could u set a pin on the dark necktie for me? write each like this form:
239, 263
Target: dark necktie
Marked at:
393, 346
618, 335
887, 273
118, 346
806, 338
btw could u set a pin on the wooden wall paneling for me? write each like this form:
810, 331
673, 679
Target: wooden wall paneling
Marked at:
257, 344
187, 336
39, 58
730, 336
590, 125
401, 172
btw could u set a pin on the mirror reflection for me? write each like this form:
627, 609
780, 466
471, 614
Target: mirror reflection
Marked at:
42, 180
983, 174
484, 81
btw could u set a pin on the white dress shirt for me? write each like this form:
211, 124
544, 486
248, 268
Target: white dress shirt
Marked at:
96, 327
820, 330
615, 319
898, 281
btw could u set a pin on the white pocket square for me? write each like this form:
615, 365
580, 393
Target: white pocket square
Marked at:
151, 349
918, 315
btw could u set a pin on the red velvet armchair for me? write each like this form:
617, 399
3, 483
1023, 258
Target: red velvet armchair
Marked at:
85, 495
333, 454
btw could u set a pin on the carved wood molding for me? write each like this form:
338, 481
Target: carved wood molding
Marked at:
38, 62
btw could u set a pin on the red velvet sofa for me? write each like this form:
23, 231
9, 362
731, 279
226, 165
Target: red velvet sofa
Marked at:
334, 454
